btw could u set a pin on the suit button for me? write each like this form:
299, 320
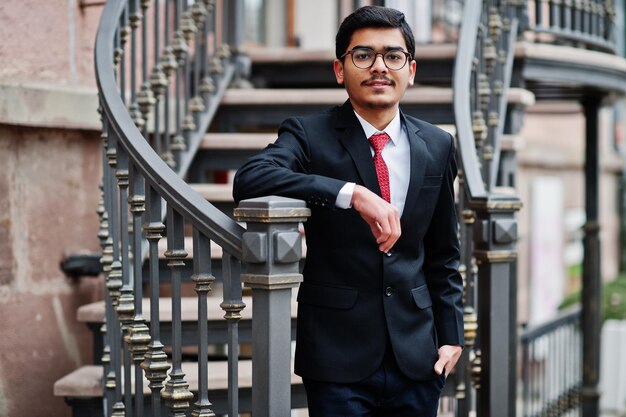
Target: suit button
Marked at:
389, 291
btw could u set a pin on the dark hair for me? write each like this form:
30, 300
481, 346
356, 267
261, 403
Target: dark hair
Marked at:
373, 17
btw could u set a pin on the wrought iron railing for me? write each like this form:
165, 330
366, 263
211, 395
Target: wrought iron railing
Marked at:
551, 367
185, 53
488, 228
580, 23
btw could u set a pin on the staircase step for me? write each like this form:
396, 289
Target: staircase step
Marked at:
86, 381
221, 193
262, 110
236, 141
93, 316
221, 152
85, 384
94, 312
286, 67
333, 96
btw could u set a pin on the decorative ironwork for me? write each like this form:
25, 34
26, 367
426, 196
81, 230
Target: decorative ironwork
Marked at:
551, 357
470, 321
488, 228
580, 23
203, 280
476, 369
129, 159
176, 393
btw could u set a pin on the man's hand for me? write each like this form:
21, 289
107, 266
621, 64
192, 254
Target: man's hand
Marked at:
382, 217
448, 356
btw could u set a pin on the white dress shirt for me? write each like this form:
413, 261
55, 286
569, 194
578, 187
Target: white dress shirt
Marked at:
397, 156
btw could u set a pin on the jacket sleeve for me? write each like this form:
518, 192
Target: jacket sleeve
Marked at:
282, 169
442, 258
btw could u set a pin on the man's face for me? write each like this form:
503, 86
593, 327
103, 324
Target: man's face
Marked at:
376, 88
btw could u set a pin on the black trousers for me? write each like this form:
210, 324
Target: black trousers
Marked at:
385, 393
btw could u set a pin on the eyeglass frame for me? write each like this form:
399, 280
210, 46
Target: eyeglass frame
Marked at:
407, 56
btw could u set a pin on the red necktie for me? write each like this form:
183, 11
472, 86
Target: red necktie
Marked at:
378, 142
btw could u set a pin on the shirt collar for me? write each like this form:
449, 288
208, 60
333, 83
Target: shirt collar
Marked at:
393, 129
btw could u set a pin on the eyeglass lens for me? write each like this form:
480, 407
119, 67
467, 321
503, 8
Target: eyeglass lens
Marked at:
364, 58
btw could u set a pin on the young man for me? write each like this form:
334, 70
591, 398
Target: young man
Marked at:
380, 318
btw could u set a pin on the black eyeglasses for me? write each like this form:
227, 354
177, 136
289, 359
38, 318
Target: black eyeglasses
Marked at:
364, 58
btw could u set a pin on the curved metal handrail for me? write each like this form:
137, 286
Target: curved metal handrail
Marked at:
204, 216
462, 96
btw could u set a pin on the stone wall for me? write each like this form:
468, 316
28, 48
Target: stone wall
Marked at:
50, 168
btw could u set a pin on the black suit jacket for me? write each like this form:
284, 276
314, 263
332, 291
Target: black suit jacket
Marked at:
354, 299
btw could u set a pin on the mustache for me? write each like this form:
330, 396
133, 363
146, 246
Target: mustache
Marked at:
378, 78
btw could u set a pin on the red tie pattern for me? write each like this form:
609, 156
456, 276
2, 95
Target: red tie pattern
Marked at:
378, 142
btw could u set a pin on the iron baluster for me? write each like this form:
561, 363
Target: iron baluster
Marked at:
135, 19
566, 15
107, 260
465, 391
196, 103
138, 335
525, 376
203, 279
145, 98
207, 85
114, 283
126, 304
155, 363
554, 15
117, 54
505, 66
176, 393
216, 61
180, 49
223, 51
539, 14
578, 11
232, 305
169, 64
158, 82
189, 29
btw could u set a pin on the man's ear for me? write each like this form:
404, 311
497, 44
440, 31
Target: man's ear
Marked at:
412, 70
338, 68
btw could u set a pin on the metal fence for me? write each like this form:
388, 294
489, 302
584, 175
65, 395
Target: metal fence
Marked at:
588, 23
551, 367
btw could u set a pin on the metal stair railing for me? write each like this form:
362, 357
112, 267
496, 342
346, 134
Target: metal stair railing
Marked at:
488, 230
150, 133
483, 65
551, 355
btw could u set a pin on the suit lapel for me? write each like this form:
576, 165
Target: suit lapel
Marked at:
353, 139
417, 169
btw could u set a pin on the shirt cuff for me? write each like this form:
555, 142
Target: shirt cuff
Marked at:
344, 198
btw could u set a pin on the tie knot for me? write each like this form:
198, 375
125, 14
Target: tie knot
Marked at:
378, 141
